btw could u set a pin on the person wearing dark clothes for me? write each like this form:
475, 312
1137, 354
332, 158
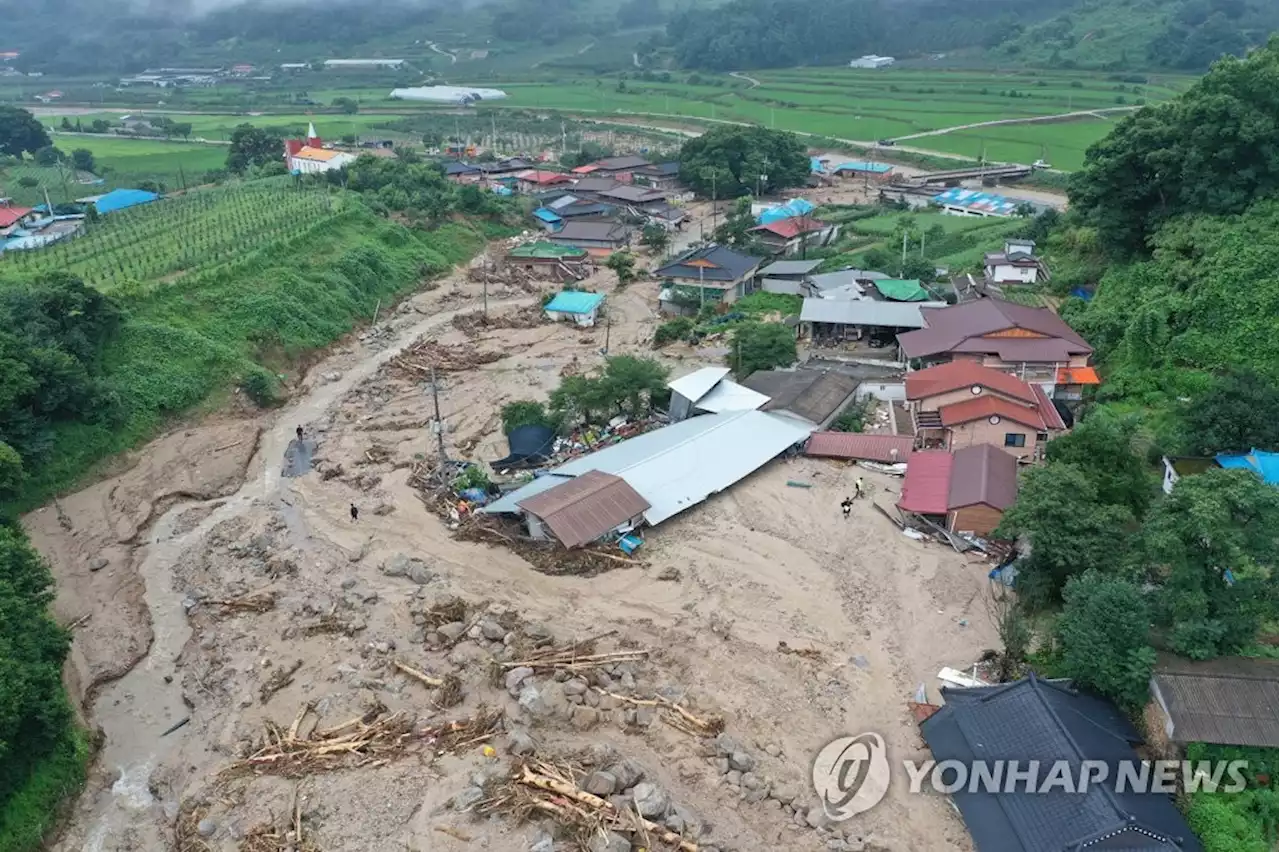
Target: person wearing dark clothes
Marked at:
299, 431
355, 513
846, 506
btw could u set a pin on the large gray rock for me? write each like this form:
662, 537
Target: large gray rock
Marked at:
600, 783
726, 745
533, 702
516, 677
467, 798
520, 743
452, 630
742, 761
403, 566
628, 772
543, 843
584, 718
492, 630
650, 800
206, 827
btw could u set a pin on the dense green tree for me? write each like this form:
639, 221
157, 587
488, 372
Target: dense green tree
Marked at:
1236, 414
21, 132
253, 146
348, 106
1211, 544
1070, 531
1103, 632
623, 264
655, 237
12, 472
49, 156
729, 160
1109, 449
626, 385
1211, 150
919, 269
82, 159
527, 412
761, 346
34, 714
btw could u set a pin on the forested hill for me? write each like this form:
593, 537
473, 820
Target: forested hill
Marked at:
120, 36
1110, 34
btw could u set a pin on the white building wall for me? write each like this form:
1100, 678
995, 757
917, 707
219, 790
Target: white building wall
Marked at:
1003, 272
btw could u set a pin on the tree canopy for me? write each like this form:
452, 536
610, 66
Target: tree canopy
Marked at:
761, 346
253, 146
1103, 630
626, 385
729, 161
1237, 413
21, 132
1212, 150
1106, 448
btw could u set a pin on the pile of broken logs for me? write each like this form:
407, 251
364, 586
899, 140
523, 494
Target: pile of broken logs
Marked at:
546, 557
419, 360
373, 739
542, 788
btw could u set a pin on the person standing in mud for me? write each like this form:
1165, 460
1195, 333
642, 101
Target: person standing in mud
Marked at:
299, 431
846, 507
355, 513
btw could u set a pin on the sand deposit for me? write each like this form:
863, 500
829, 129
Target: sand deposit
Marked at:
379, 685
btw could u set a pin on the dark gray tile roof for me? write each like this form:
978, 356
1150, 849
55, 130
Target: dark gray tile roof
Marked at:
723, 264
1034, 719
1229, 701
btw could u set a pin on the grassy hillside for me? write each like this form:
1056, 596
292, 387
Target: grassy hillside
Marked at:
199, 319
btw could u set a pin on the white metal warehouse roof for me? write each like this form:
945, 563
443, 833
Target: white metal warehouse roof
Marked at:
866, 312
680, 465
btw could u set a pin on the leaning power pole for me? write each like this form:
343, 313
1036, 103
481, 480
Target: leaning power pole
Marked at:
438, 426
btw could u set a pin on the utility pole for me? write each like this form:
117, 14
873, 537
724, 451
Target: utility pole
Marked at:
904, 250
485, 285
438, 426
922, 243
702, 294
714, 224
608, 324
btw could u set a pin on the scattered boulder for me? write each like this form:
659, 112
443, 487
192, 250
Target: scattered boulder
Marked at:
206, 827
600, 783
650, 800
669, 574
543, 843
584, 717
492, 630
452, 630
516, 677
628, 773
726, 745
98, 563
742, 761
520, 743
532, 702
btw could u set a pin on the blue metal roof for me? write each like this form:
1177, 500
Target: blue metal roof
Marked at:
815, 165
546, 215
119, 199
986, 202
794, 207
864, 166
574, 302
1264, 464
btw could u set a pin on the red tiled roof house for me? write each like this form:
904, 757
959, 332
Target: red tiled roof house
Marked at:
788, 236
963, 404
1033, 344
965, 491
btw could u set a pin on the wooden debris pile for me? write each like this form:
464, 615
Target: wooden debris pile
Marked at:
373, 739
448, 688
418, 360
576, 657
263, 601
331, 623
186, 833
674, 714
475, 323
543, 789
279, 679
269, 838
545, 557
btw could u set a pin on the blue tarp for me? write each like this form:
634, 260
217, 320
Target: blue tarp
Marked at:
1265, 465
815, 165
119, 199
574, 302
864, 166
499, 189
547, 216
794, 207
970, 199
1082, 293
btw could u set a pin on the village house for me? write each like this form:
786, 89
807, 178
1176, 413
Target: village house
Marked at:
1264, 465
574, 306
967, 490
812, 396
308, 156
963, 404
632, 195
839, 322
787, 276
794, 234
584, 509
532, 180
619, 168
860, 446
710, 391
1017, 264
1033, 344
867, 171
549, 260
598, 238
706, 275
664, 176
1050, 724
13, 217
1229, 701
871, 60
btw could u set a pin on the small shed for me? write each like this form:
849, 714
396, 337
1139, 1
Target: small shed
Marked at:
583, 509
120, 199
1228, 701
573, 305
967, 490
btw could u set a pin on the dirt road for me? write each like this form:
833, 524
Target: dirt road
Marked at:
1065, 116
726, 582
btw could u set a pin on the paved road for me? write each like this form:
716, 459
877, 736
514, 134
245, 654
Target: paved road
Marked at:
1096, 113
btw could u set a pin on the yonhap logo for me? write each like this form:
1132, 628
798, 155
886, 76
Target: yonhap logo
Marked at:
851, 775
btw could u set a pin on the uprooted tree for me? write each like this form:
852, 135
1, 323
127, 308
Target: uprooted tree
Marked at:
627, 385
